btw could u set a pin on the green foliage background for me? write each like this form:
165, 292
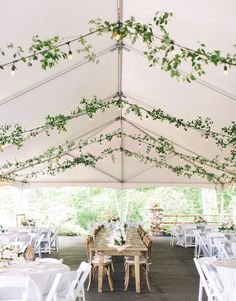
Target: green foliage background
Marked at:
76, 208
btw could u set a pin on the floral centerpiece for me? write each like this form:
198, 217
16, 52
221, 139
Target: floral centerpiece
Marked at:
199, 219
120, 235
28, 222
113, 219
227, 226
12, 252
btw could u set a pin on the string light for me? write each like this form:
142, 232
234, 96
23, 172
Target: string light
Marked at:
172, 48
225, 70
91, 118
139, 144
13, 69
117, 35
100, 143
70, 55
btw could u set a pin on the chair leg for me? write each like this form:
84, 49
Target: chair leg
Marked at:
200, 291
109, 278
147, 277
112, 265
90, 278
126, 277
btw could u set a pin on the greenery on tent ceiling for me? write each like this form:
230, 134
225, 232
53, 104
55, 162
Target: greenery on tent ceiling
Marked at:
157, 150
159, 50
225, 139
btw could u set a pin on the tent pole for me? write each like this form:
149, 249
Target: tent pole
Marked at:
221, 203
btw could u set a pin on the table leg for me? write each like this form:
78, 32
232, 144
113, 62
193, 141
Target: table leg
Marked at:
100, 273
137, 273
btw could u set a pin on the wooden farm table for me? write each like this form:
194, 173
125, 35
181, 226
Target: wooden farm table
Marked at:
135, 248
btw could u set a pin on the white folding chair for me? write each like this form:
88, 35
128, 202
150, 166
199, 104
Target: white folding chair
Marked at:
46, 241
211, 237
19, 285
203, 281
54, 239
220, 246
49, 260
229, 249
176, 237
37, 244
215, 285
200, 245
82, 274
71, 284
189, 235
51, 296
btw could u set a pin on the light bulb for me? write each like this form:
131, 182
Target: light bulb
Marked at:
172, 49
70, 55
225, 70
117, 36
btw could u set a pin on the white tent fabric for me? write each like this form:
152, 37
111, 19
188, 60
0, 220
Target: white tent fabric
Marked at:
32, 94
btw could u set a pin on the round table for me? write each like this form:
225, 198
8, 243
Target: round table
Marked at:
43, 275
226, 270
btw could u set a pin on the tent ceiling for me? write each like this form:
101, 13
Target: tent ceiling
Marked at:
32, 94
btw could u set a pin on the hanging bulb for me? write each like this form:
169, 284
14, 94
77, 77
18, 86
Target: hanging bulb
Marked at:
172, 49
119, 108
225, 70
91, 118
117, 36
13, 70
139, 144
70, 55
100, 143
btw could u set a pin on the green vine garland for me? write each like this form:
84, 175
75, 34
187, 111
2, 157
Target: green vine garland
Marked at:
159, 50
193, 165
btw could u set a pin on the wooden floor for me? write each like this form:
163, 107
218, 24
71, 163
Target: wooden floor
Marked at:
173, 276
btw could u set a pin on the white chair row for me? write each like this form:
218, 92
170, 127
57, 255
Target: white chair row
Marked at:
46, 240
66, 287
214, 244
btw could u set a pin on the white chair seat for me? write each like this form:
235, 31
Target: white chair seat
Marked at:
96, 260
130, 260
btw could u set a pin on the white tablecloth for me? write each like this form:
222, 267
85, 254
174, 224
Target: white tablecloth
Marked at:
226, 270
42, 273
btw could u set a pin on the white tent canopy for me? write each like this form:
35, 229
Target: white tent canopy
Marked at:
32, 94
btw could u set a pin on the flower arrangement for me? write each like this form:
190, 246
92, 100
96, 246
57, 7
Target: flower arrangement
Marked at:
120, 235
28, 222
113, 219
199, 219
12, 252
227, 226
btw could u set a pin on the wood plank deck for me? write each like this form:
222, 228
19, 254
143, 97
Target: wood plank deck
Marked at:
173, 276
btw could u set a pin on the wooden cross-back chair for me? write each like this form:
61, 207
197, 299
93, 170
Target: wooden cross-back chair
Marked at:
93, 259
